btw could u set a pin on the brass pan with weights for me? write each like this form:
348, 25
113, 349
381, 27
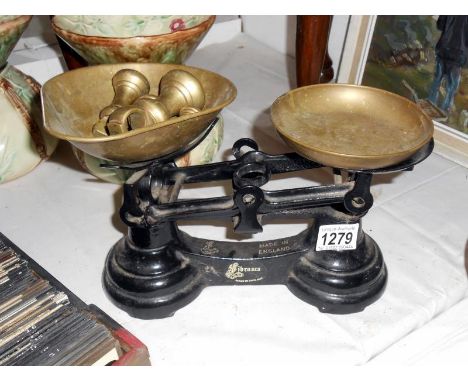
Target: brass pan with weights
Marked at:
72, 103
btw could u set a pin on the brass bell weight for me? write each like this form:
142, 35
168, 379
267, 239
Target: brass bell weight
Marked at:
128, 85
180, 93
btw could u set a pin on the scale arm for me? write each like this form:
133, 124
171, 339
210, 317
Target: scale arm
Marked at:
248, 203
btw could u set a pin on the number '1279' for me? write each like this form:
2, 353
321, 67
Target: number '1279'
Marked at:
339, 238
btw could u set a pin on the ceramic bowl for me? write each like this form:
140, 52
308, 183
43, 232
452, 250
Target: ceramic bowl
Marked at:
11, 29
116, 39
23, 142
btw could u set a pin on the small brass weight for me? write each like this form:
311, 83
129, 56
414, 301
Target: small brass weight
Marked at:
133, 107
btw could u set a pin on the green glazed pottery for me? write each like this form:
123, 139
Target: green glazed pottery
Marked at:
23, 141
116, 39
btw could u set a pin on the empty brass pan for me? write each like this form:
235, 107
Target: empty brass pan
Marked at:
351, 127
72, 102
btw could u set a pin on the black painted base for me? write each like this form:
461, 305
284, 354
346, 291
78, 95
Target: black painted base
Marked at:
154, 283
149, 284
338, 289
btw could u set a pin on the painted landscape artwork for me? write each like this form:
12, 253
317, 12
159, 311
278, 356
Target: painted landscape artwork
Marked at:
423, 58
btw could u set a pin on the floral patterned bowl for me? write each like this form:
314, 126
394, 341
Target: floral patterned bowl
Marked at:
23, 141
115, 39
11, 29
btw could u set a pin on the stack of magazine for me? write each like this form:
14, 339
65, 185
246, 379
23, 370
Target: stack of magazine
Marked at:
41, 324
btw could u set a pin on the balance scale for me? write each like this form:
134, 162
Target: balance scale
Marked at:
157, 268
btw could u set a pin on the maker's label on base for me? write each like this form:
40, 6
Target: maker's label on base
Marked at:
337, 237
246, 273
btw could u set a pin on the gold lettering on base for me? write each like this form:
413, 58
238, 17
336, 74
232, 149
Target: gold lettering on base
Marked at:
237, 273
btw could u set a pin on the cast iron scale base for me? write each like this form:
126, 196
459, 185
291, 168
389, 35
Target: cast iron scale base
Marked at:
157, 268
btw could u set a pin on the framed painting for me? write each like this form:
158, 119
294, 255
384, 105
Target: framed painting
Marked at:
423, 58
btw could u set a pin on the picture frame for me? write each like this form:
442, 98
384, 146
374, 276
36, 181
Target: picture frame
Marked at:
449, 142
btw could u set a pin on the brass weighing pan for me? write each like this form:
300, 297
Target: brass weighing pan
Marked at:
351, 127
72, 102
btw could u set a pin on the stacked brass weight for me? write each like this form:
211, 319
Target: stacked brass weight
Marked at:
180, 93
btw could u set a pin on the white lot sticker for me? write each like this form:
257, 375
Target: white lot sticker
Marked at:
337, 237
